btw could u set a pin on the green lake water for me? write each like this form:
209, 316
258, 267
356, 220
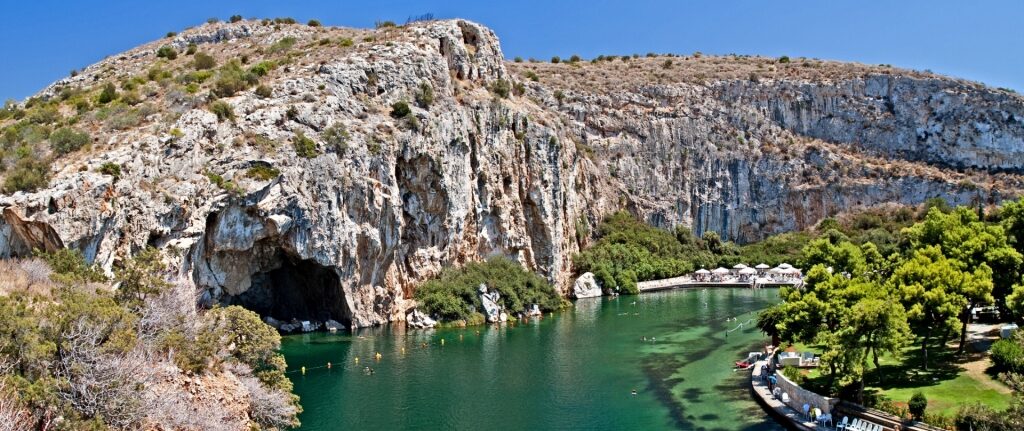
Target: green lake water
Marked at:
571, 370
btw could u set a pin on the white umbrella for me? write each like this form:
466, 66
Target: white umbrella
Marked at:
791, 270
739, 266
720, 270
748, 271
775, 270
702, 271
785, 266
762, 266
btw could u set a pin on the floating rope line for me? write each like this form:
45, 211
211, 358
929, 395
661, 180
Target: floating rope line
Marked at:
739, 326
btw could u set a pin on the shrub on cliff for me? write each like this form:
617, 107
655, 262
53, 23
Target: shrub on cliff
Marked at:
304, 147
400, 109
27, 175
65, 140
222, 110
231, 78
501, 88
167, 52
336, 138
108, 94
454, 294
203, 61
425, 96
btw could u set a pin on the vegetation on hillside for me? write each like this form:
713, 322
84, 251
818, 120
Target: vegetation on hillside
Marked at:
937, 269
628, 250
78, 354
454, 295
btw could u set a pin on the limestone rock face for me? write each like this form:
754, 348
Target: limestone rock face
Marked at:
586, 286
348, 234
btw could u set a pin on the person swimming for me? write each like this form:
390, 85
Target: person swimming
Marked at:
634, 392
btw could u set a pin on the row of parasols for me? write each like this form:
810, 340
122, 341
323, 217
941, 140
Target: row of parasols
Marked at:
741, 269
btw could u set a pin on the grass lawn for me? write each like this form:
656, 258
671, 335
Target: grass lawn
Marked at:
950, 381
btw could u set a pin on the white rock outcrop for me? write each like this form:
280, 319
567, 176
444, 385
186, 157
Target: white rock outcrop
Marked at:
586, 286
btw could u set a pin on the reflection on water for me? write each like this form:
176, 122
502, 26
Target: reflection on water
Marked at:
571, 370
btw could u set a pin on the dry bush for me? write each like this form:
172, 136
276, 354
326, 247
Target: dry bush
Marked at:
272, 409
25, 275
173, 308
99, 383
13, 415
177, 410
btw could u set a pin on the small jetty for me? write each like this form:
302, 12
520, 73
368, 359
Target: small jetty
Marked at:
760, 276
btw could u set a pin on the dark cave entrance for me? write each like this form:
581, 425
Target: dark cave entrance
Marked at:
297, 289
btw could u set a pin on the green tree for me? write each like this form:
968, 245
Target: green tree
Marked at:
932, 288
975, 246
141, 276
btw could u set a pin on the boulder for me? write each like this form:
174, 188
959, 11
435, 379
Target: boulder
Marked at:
333, 325
490, 302
419, 319
586, 286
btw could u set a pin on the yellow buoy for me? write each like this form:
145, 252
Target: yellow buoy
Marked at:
442, 341
303, 370
403, 350
378, 356
357, 359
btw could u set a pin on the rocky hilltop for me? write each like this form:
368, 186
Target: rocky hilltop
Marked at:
308, 191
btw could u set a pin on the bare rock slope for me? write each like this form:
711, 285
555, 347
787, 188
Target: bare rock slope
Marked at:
504, 158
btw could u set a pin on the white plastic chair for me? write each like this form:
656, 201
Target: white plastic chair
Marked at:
785, 398
854, 425
842, 425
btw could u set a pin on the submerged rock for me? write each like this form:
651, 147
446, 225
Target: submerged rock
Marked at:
586, 286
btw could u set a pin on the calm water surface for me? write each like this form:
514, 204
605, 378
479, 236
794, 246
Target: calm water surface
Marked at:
572, 370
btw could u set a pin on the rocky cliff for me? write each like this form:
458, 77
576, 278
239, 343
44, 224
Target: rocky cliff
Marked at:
504, 158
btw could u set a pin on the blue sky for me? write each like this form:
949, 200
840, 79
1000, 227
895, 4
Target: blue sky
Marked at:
42, 40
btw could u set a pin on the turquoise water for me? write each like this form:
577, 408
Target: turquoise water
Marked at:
572, 370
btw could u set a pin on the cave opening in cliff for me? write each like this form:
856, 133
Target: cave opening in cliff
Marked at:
297, 289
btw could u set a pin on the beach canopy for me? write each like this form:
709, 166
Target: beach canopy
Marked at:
739, 266
785, 266
775, 270
720, 271
702, 271
762, 266
790, 270
747, 271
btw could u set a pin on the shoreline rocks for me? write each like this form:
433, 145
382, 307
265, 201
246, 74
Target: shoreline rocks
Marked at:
586, 287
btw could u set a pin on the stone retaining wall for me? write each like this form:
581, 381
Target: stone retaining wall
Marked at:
799, 396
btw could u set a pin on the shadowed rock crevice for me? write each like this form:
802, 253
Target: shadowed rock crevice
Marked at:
296, 289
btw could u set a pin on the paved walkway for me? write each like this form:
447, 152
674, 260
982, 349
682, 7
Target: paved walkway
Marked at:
794, 419
687, 281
